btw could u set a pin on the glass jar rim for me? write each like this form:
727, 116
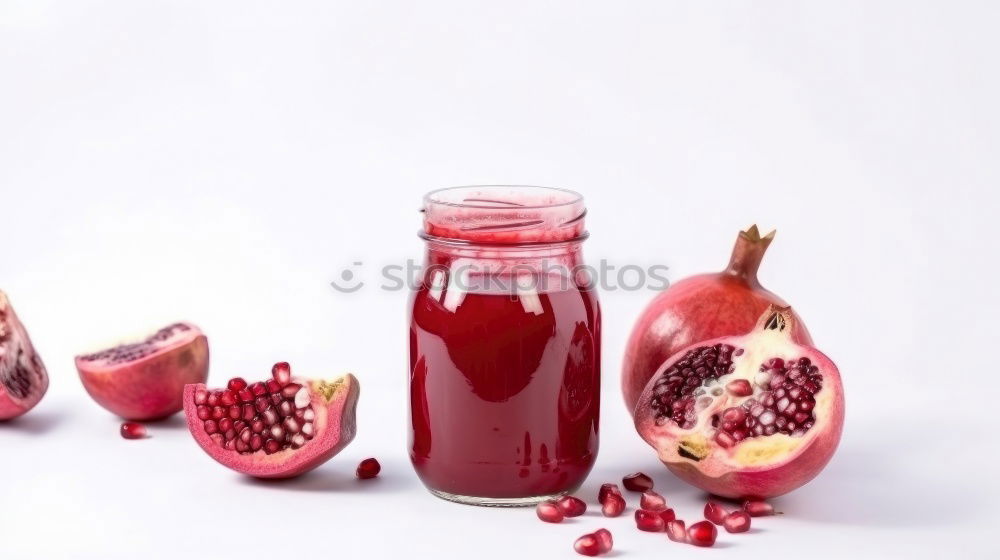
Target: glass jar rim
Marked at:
436, 197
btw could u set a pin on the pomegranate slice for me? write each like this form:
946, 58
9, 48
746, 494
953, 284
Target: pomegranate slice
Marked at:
701, 307
275, 429
759, 445
145, 380
23, 379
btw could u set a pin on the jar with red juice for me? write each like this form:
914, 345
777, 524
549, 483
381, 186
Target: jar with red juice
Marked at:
505, 347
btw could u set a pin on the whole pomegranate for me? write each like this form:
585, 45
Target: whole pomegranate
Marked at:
745, 416
700, 308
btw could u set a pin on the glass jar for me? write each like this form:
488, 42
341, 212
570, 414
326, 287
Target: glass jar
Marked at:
505, 347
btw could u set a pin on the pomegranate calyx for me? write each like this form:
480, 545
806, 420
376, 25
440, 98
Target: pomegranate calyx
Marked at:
748, 252
329, 389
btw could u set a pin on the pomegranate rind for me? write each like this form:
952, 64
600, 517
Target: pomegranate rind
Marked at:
335, 405
151, 387
760, 467
727, 303
15, 344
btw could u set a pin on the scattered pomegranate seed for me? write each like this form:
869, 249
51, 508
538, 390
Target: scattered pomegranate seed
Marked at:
369, 468
715, 513
667, 515
613, 505
676, 531
604, 539
606, 489
739, 388
737, 522
652, 501
572, 506
133, 430
549, 512
702, 533
758, 508
587, 545
648, 521
637, 482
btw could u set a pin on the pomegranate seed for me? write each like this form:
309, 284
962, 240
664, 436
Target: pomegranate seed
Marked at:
133, 430
248, 412
262, 404
369, 468
225, 425
201, 396
213, 399
613, 505
702, 533
737, 522
282, 373
256, 442
725, 440
758, 508
272, 386
604, 540
245, 395
648, 521
572, 506
290, 389
235, 412
652, 501
271, 446
607, 489
211, 427
637, 482
587, 545
667, 515
258, 389
204, 413
715, 513
549, 512
236, 383
218, 412
739, 388
676, 531
228, 398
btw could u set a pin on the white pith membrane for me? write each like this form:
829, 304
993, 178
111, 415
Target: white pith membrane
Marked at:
21, 370
760, 409
141, 347
267, 419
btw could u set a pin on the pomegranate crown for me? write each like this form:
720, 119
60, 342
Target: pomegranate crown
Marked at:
748, 252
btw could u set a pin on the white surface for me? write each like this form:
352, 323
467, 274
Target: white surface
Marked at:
222, 161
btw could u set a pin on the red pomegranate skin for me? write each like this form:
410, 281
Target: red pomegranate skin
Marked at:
702, 307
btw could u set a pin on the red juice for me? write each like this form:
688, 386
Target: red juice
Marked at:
505, 392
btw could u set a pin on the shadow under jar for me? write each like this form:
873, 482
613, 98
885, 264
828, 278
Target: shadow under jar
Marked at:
505, 347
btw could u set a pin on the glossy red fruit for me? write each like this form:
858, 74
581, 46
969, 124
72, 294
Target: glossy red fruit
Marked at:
761, 445
652, 501
758, 508
667, 515
587, 545
702, 533
300, 427
676, 531
369, 468
648, 521
572, 506
133, 430
715, 513
549, 512
637, 482
607, 488
613, 505
23, 378
604, 541
145, 380
700, 308
737, 522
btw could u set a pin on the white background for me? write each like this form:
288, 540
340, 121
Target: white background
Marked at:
221, 162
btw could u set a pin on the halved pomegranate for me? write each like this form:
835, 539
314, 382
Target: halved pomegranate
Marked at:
748, 416
275, 429
23, 379
145, 380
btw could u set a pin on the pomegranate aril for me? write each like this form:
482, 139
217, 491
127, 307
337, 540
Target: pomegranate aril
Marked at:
298, 440
572, 506
307, 430
272, 386
225, 424
256, 442
277, 399
737, 522
217, 438
257, 426
637, 482
282, 373
676, 531
133, 430
652, 501
291, 426
702, 533
667, 515
285, 408
201, 396
228, 398
549, 512
739, 388
204, 413
235, 412
604, 540
242, 446
758, 508
218, 412
715, 513
270, 417
213, 398
262, 403
236, 383
277, 432
606, 489
245, 395
613, 505
302, 398
271, 446
245, 435
258, 389
289, 390
211, 427
249, 413
648, 521
369, 468
587, 545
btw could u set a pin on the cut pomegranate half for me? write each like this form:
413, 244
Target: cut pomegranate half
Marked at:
23, 379
713, 432
275, 429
